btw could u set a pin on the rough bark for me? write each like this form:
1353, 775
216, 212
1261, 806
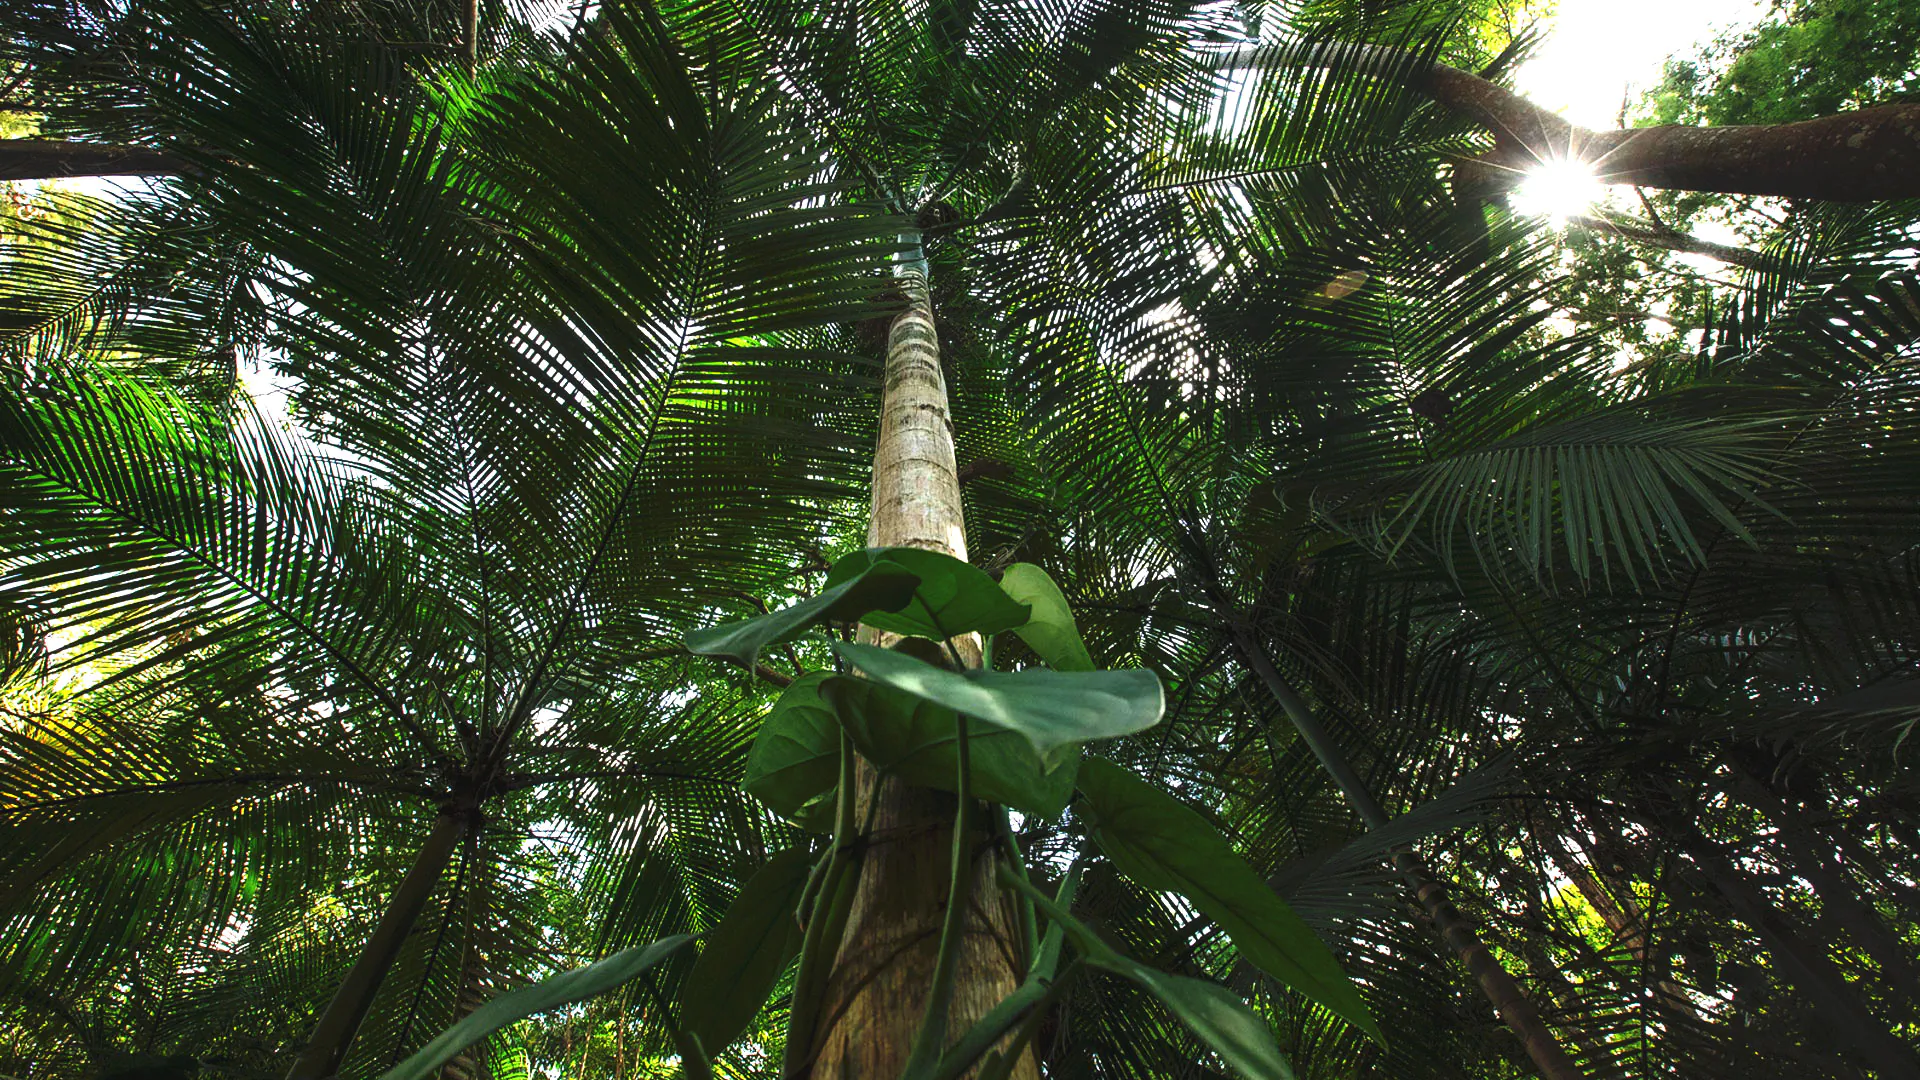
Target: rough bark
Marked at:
52, 159
1515, 1009
1856, 156
334, 1033
881, 977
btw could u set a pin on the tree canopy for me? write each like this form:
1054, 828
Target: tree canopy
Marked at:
1393, 635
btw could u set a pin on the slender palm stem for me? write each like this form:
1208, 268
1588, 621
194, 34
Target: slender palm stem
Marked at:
1508, 999
334, 1033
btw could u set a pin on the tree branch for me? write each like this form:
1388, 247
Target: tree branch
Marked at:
1669, 239
1857, 156
53, 159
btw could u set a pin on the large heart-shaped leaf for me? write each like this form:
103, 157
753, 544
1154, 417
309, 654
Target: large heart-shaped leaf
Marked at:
914, 739
565, 988
953, 598
796, 757
1050, 632
1222, 1021
1163, 844
879, 586
744, 955
1053, 709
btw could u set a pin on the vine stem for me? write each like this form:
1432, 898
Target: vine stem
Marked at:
1029, 922
932, 1036
1000, 1064
822, 937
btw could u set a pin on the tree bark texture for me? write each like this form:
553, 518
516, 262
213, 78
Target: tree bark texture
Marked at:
1515, 1009
334, 1032
1857, 156
877, 992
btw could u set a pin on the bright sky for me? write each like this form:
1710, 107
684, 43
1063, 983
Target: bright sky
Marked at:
1597, 49
1597, 52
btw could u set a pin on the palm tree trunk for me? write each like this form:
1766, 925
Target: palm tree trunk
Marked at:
1509, 1000
883, 971
334, 1033
1618, 909
1813, 860
1802, 962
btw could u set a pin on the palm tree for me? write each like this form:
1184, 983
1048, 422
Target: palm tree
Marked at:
423, 626
1371, 559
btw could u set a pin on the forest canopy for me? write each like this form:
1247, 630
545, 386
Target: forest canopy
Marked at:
1101, 539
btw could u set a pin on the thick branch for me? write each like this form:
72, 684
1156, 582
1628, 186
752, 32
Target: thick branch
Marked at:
52, 159
1856, 156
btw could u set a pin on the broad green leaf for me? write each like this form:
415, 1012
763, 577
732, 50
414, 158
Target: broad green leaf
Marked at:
694, 1063
880, 585
1053, 709
953, 598
796, 757
1217, 1016
1051, 632
1221, 1020
744, 956
565, 988
1163, 844
914, 740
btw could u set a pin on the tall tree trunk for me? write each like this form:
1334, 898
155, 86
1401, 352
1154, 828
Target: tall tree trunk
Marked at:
881, 977
333, 1034
1509, 1000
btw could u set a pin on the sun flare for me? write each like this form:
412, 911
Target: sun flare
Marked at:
1557, 190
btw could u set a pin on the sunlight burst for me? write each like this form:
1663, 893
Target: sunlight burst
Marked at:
1557, 190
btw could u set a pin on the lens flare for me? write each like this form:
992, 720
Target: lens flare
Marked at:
1557, 190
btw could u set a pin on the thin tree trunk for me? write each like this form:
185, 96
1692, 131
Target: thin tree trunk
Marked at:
881, 977
333, 1034
473, 35
1669, 239
1517, 879
1803, 963
1623, 917
1509, 1000
1811, 859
